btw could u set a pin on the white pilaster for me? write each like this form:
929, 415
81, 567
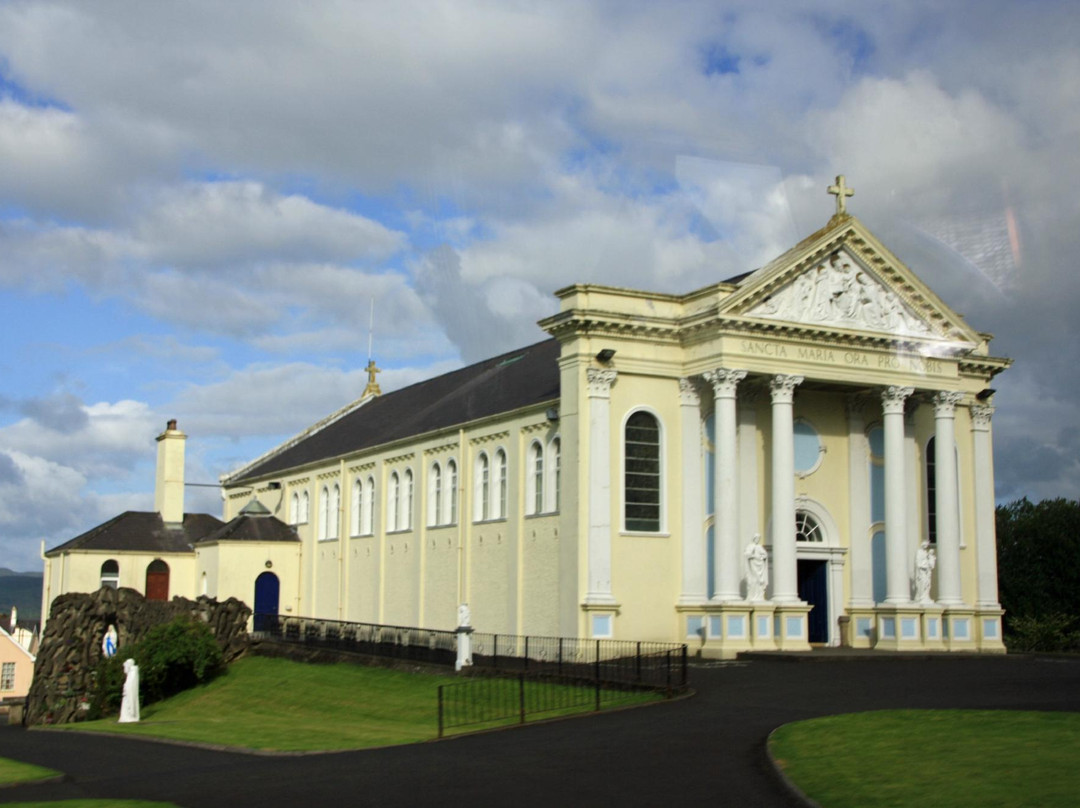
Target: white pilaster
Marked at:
599, 386
896, 565
694, 578
985, 533
862, 571
785, 576
946, 498
726, 559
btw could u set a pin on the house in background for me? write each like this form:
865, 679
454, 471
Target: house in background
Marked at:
796, 456
17, 646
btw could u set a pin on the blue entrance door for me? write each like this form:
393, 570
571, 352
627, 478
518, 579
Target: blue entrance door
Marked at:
267, 590
814, 589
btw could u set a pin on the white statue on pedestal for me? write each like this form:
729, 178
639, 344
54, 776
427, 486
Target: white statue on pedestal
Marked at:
129, 705
463, 616
757, 569
463, 634
925, 561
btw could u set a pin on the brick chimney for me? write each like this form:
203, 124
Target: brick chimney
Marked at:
169, 485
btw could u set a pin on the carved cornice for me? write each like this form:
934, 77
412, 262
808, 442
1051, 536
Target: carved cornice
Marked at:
362, 467
301, 483
442, 449
401, 458
492, 438
529, 429
327, 475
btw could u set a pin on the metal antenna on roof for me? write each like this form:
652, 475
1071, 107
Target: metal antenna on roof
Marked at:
371, 328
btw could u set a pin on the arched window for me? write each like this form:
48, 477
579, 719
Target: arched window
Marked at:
324, 513
481, 501
807, 528
110, 574
393, 493
555, 472
499, 505
450, 503
367, 516
204, 586
405, 514
534, 498
305, 507
294, 509
641, 479
356, 509
435, 494
333, 517
157, 580
808, 448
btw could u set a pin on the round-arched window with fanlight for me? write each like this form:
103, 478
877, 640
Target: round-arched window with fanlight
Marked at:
807, 529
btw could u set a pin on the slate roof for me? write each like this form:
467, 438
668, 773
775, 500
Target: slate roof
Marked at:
143, 531
503, 383
245, 527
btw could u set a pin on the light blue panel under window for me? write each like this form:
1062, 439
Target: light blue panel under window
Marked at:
877, 560
863, 627
763, 626
931, 628
736, 626
716, 627
710, 466
601, 625
990, 628
888, 628
909, 629
807, 447
695, 626
961, 630
793, 626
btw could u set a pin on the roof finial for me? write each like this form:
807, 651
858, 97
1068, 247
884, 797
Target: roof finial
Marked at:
840, 191
372, 388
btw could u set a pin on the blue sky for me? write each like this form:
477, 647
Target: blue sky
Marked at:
198, 203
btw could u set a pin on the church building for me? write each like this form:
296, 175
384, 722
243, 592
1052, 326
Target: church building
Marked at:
797, 456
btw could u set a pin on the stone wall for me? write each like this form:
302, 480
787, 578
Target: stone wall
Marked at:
71, 645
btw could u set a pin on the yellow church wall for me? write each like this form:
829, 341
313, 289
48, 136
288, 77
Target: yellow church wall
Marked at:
442, 559
232, 567
327, 575
363, 561
540, 565
490, 572
401, 568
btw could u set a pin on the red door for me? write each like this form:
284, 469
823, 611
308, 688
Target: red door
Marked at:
157, 580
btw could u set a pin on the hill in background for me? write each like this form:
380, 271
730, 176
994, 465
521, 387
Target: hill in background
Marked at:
21, 590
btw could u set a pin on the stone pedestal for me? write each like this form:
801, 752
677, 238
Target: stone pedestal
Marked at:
933, 627
960, 628
861, 627
722, 630
464, 647
790, 626
899, 627
988, 630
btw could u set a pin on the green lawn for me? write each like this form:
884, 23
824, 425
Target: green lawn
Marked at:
956, 758
265, 703
12, 772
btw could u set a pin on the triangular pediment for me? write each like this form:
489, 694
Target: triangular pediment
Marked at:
843, 278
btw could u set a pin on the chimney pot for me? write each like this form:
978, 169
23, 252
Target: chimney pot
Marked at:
171, 424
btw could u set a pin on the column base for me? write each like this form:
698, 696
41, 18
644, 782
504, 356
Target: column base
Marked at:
790, 626
722, 630
900, 627
861, 628
599, 620
960, 629
988, 630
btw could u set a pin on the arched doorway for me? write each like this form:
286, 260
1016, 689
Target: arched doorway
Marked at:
819, 570
157, 580
267, 591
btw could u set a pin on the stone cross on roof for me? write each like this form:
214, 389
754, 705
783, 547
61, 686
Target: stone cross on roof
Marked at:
372, 388
840, 191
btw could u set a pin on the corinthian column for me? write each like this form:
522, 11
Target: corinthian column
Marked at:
898, 586
946, 498
785, 577
694, 583
726, 558
985, 533
599, 382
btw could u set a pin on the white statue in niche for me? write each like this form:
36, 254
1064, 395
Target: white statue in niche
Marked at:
757, 569
129, 705
109, 642
925, 561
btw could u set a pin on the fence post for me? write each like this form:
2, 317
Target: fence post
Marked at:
668, 666
526, 652
495, 650
597, 671
560, 654
521, 696
638, 662
684, 681
440, 711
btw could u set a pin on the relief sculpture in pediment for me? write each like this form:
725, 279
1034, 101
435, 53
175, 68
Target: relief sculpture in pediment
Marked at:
839, 292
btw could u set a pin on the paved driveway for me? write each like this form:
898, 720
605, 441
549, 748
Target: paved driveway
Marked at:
706, 749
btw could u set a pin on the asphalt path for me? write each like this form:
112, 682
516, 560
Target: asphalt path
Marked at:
708, 748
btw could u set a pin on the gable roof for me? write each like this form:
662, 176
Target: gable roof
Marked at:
5, 637
247, 527
143, 531
510, 381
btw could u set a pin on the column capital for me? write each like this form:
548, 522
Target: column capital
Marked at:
945, 403
783, 388
688, 393
893, 398
980, 417
600, 381
724, 381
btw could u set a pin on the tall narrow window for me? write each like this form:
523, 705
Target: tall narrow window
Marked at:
110, 574
931, 491
305, 507
368, 514
451, 493
500, 485
357, 508
405, 521
334, 516
7, 676
435, 495
324, 513
294, 509
555, 460
393, 492
642, 473
483, 488
534, 498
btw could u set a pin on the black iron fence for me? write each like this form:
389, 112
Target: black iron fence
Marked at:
367, 639
488, 701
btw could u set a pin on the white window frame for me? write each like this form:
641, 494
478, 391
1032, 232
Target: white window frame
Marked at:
324, 511
554, 474
357, 507
534, 479
367, 509
500, 485
305, 508
435, 494
7, 676
109, 578
450, 504
406, 511
393, 504
482, 486
662, 480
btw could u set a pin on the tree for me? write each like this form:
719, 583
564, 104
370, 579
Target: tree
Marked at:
1039, 573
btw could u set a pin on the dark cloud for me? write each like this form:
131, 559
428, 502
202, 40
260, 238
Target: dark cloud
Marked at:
9, 472
62, 412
